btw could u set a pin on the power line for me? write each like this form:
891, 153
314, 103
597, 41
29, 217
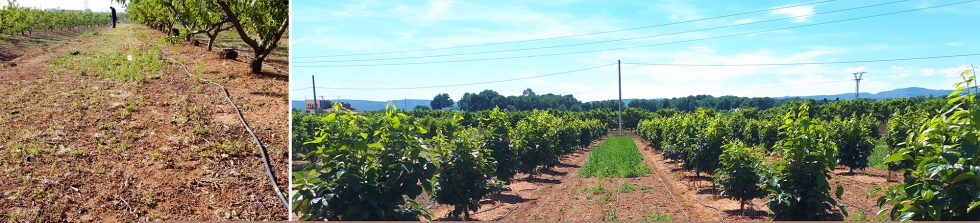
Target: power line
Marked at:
403, 84
805, 63
496, 90
435, 13
577, 35
597, 42
477, 83
633, 47
752, 88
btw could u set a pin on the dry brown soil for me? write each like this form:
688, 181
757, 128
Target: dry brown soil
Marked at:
83, 148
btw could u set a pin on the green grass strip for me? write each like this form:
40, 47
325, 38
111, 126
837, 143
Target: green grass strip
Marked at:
877, 158
618, 156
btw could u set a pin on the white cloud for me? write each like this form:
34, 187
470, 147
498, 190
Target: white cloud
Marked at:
405, 35
954, 71
744, 21
954, 43
928, 72
438, 8
854, 69
298, 40
897, 76
522, 25
801, 13
679, 11
680, 81
346, 43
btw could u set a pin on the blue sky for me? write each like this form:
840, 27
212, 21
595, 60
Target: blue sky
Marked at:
331, 28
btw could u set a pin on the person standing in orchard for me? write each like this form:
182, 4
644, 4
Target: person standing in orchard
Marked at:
113, 16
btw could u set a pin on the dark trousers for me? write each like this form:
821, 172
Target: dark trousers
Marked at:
113, 22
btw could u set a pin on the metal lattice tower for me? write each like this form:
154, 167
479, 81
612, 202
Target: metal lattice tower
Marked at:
857, 83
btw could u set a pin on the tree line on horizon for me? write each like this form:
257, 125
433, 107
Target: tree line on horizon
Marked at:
529, 100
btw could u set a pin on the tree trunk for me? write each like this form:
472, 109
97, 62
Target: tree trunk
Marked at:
256, 65
211, 40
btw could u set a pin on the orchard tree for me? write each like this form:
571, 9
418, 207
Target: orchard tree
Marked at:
945, 170
268, 20
799, 185
854, 142
199, 16
467, 173
739, 173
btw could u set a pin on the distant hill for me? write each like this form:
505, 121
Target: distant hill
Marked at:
897, 93
365, 105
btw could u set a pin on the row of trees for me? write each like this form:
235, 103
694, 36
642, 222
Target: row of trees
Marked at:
937, 149
731, 147
259, 24
15, 20
373, 166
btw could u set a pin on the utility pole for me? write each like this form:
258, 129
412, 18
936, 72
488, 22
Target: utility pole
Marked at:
315, 101
619, 72
857, 83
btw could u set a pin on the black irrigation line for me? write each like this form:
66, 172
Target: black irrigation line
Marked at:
696, 189
859, 207
265, 156
517, 196
668, 191
494, 207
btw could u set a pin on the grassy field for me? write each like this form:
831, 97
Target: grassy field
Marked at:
618, 156
878, 156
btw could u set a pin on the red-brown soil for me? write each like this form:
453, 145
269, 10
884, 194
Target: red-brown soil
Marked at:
72, 152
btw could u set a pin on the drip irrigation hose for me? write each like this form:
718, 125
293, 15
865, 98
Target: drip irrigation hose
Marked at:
265, 157
696, 188
852, 205
518, 195
759, 208
494, 207
668, 191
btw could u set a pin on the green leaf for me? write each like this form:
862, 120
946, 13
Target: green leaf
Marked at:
963, 176
970, 148
359, 145
927, 195
973, 205
897, 157
907, 216
951, 157
331, 117
839, 192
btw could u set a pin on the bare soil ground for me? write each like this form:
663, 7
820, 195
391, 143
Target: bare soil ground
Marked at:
557, 194
79, 144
